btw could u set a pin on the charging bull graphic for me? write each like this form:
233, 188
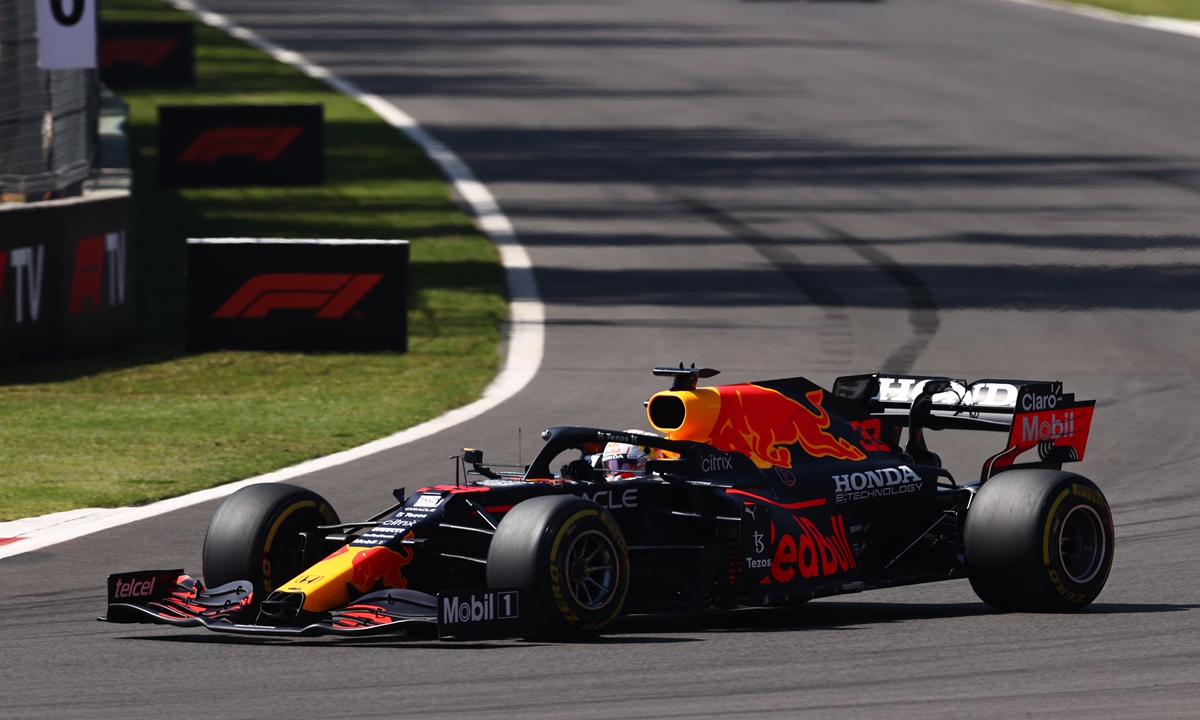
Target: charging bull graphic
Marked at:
380, 563
760, 423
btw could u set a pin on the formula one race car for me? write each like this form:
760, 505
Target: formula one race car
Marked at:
757, 494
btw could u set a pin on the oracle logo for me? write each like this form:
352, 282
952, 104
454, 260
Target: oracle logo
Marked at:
261, 144
332, 295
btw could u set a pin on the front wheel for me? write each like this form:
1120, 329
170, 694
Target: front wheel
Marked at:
569, 558
255, 536
1039, 541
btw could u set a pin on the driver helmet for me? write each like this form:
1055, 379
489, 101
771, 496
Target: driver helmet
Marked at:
623, 460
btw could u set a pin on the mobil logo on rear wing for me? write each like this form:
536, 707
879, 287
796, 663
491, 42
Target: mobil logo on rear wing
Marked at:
1045, 418
1034, 413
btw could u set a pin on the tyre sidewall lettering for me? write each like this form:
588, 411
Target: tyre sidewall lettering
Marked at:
576, 523
557, 549
268, 583
1070, 498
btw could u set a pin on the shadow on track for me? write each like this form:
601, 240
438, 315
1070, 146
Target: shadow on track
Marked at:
648, 629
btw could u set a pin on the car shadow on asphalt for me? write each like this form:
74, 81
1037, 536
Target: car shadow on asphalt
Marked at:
647, 629
841, 615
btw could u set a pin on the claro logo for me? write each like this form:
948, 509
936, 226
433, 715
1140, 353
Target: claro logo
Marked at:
261, 144
332, 295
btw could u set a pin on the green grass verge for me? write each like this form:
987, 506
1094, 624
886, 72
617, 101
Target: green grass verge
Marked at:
150, 421
1186, 9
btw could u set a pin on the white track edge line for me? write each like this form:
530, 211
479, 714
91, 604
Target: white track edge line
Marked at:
1191, 28
526, 339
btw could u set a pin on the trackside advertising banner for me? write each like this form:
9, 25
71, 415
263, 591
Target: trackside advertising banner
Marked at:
146, 54
66, 283
240, 145
279, 294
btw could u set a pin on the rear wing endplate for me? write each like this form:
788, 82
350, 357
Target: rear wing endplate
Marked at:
1034, 413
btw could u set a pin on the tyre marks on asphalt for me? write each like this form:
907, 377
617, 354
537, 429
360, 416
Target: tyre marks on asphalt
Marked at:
836, 334
923, 309
836, 331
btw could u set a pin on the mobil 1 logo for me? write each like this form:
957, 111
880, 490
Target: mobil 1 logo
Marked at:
480, 612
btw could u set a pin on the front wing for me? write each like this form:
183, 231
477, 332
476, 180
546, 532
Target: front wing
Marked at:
169, 597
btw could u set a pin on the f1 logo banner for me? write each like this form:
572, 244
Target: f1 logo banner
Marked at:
146, 53
66, 281
66, 34
228, 145
278, 294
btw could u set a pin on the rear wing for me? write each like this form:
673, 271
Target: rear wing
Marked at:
1034, 413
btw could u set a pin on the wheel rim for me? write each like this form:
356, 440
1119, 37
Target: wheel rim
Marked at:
286, 556
592, 570
1081, 544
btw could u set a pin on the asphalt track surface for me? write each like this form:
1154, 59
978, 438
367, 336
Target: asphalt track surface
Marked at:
968, 187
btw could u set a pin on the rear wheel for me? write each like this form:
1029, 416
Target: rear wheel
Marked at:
570, 560
255, 535
1039, 541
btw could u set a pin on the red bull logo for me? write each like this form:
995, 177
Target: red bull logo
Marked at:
380, 563
761, 423
810, 552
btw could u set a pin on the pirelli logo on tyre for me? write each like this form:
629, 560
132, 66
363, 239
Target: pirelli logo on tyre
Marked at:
229, 145
281, 294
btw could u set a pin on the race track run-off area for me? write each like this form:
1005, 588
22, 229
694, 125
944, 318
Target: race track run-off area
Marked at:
972, 188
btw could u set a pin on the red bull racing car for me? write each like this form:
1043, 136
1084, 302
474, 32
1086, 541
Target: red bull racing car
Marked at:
751, 494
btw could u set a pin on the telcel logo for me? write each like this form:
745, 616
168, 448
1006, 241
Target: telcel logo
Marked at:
332, 295
134, 588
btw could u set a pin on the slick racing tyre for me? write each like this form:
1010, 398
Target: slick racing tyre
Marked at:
570, 560
255, 536
1038, 541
